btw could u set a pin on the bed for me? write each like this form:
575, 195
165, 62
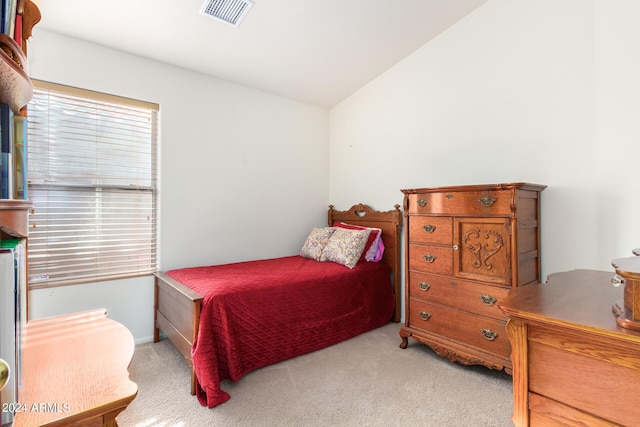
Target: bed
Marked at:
228, 320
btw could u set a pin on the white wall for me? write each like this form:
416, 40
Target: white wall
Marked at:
617, 107
540, 91
544, 92
244, 174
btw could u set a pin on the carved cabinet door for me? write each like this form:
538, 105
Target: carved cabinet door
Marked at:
482, 249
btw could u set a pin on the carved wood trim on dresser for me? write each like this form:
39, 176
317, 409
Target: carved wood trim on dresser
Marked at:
466, 247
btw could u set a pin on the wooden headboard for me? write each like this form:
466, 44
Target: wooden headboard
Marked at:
390, 222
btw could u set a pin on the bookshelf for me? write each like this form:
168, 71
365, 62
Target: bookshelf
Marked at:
16, 90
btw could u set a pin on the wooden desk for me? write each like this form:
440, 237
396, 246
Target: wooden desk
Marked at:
74, 371
572, 364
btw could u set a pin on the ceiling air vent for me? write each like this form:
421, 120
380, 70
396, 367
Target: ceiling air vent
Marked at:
230, 11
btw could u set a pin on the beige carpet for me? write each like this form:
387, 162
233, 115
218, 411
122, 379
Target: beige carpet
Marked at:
365, 381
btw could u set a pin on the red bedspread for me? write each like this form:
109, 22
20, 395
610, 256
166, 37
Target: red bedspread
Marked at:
258, 313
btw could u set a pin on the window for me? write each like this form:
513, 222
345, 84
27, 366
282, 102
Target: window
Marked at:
93, 181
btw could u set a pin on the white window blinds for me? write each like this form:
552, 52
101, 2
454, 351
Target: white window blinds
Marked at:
92, 178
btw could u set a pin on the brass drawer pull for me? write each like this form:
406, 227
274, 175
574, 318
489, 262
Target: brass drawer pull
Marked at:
429, 228
422, 203
488, 299
424, 286
424, 315
429, 258
489, 334
487, 201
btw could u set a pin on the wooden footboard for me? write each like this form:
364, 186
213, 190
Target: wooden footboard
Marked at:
177, 314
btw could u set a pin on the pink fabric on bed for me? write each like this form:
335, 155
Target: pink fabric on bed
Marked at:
258, 313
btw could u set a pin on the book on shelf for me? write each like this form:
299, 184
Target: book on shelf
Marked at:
13, 4
17, 33
20, 157
9, 14
4, 19
6, 191
7, 10
6, 151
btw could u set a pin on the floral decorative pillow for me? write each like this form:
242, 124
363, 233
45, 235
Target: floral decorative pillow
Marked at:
345, 246
316, 242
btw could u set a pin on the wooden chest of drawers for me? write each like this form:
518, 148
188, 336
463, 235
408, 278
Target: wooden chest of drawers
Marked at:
466, 247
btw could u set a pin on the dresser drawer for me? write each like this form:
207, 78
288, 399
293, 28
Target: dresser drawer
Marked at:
477, 331
462, 294
431, 259
469, 203
431, 229
592, 373
549, 412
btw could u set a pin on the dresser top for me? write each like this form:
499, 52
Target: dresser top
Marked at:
479, 187
629, 266
581, 299
77, 365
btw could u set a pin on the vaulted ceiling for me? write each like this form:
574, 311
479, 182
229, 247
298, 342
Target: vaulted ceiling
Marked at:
318, 52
